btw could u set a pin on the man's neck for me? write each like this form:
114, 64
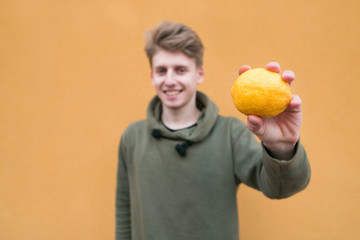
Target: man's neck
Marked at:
180, 118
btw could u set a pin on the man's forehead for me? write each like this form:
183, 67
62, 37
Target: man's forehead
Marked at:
171, 59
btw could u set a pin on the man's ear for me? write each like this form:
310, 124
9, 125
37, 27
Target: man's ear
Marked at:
201, 74
152, 77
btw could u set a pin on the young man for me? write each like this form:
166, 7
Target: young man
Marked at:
179, 170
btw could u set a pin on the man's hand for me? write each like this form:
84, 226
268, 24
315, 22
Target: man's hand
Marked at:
281, 133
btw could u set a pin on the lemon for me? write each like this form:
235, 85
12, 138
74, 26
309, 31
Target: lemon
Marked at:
261, 92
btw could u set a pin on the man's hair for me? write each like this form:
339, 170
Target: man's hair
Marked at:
174, 37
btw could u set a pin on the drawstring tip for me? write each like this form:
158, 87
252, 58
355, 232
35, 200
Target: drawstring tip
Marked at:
156, 133
181, 148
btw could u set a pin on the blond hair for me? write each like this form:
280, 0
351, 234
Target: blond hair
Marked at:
174, 37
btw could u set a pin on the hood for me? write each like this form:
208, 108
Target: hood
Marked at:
209, 114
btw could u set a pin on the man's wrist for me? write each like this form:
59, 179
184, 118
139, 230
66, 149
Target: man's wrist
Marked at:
281, 151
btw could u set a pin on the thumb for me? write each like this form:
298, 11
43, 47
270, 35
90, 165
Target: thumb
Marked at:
256, 125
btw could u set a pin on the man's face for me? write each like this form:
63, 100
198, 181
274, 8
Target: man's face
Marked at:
175, 77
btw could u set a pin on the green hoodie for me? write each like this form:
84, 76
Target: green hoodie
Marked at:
181, 185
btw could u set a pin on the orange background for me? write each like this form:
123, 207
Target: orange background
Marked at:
73, 75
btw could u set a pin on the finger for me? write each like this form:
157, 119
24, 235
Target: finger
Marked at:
255, 125
288, 76
244, 69
295, 104
273, 67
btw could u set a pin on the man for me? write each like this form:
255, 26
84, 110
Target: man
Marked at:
179, 169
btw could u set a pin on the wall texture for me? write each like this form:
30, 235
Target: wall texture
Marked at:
73, 75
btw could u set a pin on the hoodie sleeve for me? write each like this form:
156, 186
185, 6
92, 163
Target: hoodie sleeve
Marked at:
257, 169
123, 215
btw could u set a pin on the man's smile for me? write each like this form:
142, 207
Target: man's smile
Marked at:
172, 92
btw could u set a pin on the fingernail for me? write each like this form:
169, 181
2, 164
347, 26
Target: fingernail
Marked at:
288, 73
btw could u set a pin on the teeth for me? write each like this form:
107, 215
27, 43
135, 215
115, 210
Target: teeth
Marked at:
172, 93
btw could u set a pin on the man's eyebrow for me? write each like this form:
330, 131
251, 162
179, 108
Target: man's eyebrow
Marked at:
181, 66
174, 66
159, 67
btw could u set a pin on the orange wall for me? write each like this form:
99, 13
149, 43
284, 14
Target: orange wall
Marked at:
73, 75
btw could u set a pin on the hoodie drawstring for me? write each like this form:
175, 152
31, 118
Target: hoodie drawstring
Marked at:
180, 148
156, 133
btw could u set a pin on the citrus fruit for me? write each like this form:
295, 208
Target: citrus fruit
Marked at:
261, 92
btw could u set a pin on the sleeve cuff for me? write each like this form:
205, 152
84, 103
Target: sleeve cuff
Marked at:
283, 167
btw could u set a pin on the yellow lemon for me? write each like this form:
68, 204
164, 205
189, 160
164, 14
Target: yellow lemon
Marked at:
261, 92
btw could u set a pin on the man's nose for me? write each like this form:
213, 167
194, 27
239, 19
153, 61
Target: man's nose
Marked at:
170, 78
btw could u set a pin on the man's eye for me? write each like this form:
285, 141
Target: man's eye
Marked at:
161, 70
181, 70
